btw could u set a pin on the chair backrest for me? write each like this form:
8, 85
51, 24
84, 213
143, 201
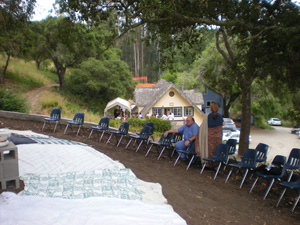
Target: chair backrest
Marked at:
166, 140
191, 149
150, 124
104, 122
145, 133
262, 151
222, 152
55, 113
79, 118
279, 160
232, 146
293, 161
176, 137
123, 129
249, 157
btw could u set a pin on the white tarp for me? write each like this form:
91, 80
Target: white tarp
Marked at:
69, 171
118, 102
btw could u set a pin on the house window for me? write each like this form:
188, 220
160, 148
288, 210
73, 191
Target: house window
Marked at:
157, 110
188, 111
171, 93
177, 111
208, 103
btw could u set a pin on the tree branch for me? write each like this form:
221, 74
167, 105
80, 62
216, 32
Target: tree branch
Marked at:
221, 50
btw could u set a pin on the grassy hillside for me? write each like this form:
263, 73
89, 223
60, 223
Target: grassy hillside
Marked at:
23, 76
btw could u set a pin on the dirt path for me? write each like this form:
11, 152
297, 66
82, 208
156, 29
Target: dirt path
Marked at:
33, 97
199, 199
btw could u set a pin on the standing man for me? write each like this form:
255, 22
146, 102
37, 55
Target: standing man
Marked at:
189, 131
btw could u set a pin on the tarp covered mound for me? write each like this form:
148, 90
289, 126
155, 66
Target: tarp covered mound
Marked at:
117, 102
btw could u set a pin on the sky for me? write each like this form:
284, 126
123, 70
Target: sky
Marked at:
43, 7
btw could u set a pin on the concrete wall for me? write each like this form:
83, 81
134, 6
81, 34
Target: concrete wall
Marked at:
37, 117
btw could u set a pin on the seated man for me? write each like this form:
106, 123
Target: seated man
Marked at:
189, 131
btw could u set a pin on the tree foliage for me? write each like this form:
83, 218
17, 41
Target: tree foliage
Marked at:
99, 81
13, 18
261, 27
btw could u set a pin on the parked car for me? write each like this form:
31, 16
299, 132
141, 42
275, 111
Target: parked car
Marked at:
295, 130
233, 134
229, 124
274, 121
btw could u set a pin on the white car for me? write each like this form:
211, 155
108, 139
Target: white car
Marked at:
274, 121
235, 134
229, 124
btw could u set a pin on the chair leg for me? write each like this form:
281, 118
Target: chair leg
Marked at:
282, 194
177, 159
101, 136
91, 133
203, 168
296, 202
109, 138
78, 130
244, 177
256, 179
225, 164
139, 146
188, 166
161, 152
55, 126
269, 188
148, 150
128, 143
66, 128
173, 152
44, 125
290, 176
120, 140
230, 171
217, 170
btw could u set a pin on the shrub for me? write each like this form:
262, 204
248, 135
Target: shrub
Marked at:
10, 101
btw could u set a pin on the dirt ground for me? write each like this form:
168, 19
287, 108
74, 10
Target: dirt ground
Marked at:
197, 198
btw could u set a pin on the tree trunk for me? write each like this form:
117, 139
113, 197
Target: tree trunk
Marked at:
137, 52
246, 112
225, 108
60, 70
6, 65
38, 64
1, 78
134, 55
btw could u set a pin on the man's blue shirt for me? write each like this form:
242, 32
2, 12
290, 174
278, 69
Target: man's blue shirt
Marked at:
188, 132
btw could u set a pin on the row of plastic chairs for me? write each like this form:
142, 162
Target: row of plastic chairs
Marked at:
249, 162
286, 167
55, 116
103, 126
251, 159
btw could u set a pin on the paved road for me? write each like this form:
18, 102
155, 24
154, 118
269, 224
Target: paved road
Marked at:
280, 140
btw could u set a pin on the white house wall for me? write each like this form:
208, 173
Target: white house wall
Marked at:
177, 101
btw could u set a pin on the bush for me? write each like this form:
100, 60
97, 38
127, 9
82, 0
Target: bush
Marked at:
160, 125
95, 80
136, 125
10, 101
262, 123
